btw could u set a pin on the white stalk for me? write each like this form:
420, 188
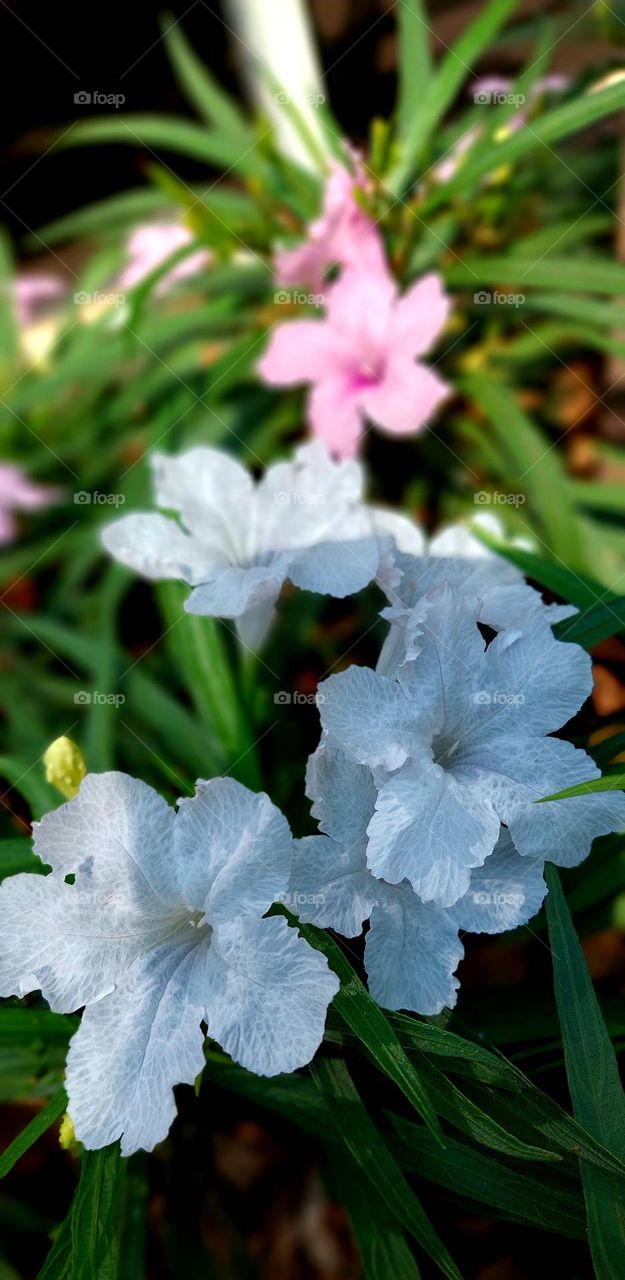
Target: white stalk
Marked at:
275, 37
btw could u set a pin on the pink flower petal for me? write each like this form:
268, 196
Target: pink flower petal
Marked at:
334, 417
299, 351
419, 317
360, 305
406, 399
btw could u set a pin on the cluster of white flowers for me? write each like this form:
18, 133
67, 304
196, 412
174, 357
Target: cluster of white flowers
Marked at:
424, 785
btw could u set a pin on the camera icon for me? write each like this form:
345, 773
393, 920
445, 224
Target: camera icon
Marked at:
82, 98
482, 499
482, 97
282, 98
83, 698
482, 699
282, 698
482, 296
282, 297
81, 298
82, 498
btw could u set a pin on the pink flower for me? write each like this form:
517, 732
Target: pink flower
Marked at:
18, 493
344, 235
151, 245
31, 292
361, 358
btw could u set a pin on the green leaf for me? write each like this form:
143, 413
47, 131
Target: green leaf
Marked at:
603, 619
95, 1216
16, 855
612, 782
375, 1161
166, 133
115, 213
575, 588
415, 63
594, 1082
526, 1196
367, 1021
384, 1252
34, 1130
599, 275
444, 86
538, 466
29, 781
204, 93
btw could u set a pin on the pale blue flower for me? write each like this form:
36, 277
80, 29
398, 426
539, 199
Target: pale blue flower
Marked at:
238, 541
161, 931
412, 948
456, 733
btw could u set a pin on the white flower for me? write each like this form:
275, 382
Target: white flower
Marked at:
240, 541
412, 948
457, 734
162, 930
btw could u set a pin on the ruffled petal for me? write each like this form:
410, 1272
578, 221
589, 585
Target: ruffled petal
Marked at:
431, 830
267, 995
157, 548
232, 850
534, 684
134, 1045
411, 953
117, 833
504, 893
370, 717
343, 794
331, 885
70, 944
235, 591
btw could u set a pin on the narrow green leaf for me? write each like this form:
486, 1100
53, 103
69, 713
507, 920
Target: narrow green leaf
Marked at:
414, 61
597, 275
575, 588
204, 93
384, 1252
445, 84
95, 1214
34, 1130
594, 1082
16, 855
611, 782
367, 1021
603, 619
375, 1161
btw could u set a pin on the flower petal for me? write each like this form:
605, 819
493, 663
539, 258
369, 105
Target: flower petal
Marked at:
334, 416
213, 493
343, 794
419, 316
233, 592
504, 893
370, 716
406, 398
69, 943
300, 351
331, 885
117, 833
431, 830
133, 1046
157, 548
411, 953
540, 682
267, 994
233, 851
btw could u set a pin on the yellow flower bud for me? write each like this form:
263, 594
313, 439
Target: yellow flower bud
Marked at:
65, 766
67, 1137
